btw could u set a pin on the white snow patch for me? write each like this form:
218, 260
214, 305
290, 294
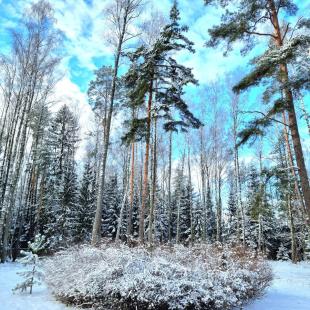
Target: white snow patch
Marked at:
290, 288
40, 299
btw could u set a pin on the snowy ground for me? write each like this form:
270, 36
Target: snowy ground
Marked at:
39, 300
290, 290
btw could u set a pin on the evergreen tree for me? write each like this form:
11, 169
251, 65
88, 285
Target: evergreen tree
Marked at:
31, 258
112, 201
161, 217
198, 218
246, 21
155, 72
282, 253
252, 204
185, 216
232, 221
29, 207
62, 191
211, 220
182, 200
290, 213
86, 203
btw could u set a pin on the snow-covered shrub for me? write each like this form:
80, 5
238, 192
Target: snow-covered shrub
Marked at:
119, 277
30, 258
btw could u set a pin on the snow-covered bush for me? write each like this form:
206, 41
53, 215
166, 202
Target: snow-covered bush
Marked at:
30, 259
119, 277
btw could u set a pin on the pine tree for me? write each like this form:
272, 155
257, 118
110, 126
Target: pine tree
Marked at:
211, 220
287, 47
155, 73
121, 15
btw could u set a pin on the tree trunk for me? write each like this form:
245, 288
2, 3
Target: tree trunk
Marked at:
192, 235
302, 171
96, 232
146, 165
219, 209
121, 215
237, 175
169, 188
203, 188
153, 192
131, 195
292, 230
291, 165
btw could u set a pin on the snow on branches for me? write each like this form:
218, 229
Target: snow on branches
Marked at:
119, 277
31, 258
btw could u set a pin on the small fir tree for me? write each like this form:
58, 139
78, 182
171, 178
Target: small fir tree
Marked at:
282, 253
31, 258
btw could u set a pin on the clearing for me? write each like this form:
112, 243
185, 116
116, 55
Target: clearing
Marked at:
290, 290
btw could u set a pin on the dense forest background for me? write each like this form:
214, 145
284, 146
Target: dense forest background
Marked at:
162, 159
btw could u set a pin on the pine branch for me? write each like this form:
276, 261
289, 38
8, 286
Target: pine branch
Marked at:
265, 115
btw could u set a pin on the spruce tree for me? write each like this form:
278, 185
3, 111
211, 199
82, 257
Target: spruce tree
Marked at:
232, 208
31, 258
198, 218
290, 213
62, 190
161, 217
112, 201
86, 203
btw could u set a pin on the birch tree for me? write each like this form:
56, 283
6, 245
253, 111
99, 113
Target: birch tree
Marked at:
29, 79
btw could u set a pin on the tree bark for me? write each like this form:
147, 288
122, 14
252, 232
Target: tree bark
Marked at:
169, 188
132, 188
291, 165
302, 171
192, 235
203, 188
146, 165
96, 232
153, 191
219, 209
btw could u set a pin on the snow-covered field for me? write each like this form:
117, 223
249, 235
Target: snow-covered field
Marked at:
290, 290
39, 300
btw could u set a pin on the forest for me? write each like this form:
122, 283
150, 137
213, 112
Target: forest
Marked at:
169, 166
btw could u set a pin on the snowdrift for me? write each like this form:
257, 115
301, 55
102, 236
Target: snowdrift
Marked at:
119, 277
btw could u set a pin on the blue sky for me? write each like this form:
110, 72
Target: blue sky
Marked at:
86, 49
